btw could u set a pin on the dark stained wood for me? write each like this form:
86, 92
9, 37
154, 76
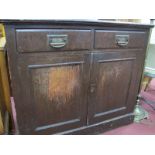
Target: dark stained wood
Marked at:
77, 23
57, 87
32, 40
101, 127
88, 86
107, 39
111, 77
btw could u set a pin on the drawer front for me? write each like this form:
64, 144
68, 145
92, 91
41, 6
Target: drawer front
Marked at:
120, 39
40, 40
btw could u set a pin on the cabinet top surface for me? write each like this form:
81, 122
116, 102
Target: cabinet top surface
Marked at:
77, 22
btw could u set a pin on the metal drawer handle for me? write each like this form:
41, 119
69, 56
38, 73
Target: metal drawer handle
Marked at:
57, 41
122, 40
57, 45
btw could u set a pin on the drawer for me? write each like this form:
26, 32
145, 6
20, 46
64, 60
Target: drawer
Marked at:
120, 39
41, 40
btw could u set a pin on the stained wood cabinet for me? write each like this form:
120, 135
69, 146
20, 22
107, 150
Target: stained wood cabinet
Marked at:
73, 77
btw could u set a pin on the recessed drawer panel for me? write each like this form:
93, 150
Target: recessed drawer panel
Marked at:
40, 40
120, 39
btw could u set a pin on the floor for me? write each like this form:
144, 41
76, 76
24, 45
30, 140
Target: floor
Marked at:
145, 127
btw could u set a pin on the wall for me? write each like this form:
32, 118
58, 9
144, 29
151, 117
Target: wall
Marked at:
150, 59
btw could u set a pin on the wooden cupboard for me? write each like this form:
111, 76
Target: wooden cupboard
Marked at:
74, 77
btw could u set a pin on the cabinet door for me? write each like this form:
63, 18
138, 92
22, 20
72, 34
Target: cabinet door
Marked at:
112, 83
53, 93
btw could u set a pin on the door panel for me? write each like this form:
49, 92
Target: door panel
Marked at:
111, 76
56, 88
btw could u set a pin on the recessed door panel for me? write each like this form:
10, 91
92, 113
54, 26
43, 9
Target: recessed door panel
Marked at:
57, 90
112, 74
